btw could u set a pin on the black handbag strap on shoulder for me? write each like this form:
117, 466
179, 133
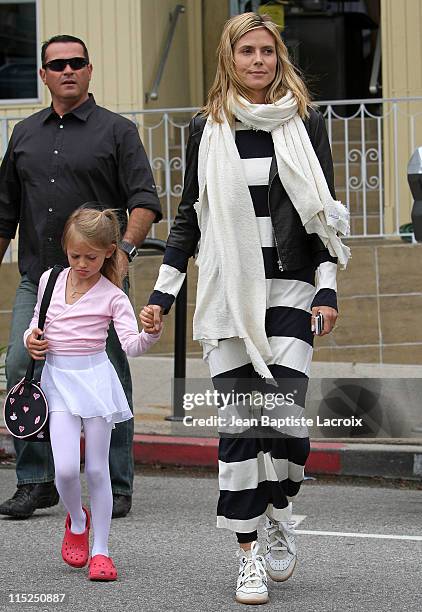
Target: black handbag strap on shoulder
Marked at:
45, 303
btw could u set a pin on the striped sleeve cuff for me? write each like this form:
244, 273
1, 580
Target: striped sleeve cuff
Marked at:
176, 258
167, 287
165, 300
326, 285
326, 276
325, 297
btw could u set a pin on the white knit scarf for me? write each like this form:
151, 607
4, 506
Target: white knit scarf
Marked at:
231, 293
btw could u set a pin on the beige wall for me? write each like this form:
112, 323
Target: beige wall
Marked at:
215, 14
401, 28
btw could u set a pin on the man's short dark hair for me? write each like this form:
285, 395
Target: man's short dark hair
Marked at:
62, 38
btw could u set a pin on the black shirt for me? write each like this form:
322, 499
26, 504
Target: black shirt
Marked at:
54, 165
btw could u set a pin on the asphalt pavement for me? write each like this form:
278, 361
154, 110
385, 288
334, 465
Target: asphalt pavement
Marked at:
360, 549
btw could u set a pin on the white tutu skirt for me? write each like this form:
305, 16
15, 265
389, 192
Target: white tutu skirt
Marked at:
86, 386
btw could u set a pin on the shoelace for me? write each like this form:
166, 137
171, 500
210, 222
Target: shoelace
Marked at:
253, 568
276, 541
22, 492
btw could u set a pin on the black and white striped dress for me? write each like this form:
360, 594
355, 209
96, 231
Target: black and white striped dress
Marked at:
259, 476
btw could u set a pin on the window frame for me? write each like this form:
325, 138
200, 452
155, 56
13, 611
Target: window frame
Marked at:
4, 102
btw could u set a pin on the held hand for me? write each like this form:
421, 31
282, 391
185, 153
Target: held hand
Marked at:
330, 318
36, 348
152, 318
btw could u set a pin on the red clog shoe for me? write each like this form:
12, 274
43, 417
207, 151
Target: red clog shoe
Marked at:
75, 546
102, 568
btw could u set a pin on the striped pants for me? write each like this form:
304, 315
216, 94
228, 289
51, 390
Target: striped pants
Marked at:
257, 475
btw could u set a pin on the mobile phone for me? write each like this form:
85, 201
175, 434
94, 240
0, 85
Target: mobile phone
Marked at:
319, 324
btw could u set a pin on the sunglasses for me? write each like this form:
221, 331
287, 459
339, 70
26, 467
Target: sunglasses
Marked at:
58, 65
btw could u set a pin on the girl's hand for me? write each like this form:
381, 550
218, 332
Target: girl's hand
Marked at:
330, 317
151, 317
36, 348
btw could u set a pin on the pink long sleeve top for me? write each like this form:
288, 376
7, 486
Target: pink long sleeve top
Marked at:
81, 328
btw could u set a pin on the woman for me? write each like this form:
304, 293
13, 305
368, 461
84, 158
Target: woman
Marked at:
259, 193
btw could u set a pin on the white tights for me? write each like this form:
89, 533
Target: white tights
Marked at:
65, 434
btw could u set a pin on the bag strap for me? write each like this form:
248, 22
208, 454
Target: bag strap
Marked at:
45, 303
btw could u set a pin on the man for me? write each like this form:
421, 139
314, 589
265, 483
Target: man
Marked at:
59, 158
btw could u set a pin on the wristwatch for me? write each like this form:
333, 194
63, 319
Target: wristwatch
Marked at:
129, 248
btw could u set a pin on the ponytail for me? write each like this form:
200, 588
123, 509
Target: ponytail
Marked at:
113, 267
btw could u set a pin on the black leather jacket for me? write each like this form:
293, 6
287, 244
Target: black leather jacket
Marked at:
296, 249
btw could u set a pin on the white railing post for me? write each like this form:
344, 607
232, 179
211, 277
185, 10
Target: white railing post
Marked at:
346, 162
363, 167
167, 169
150, 157
396, 170
380, 175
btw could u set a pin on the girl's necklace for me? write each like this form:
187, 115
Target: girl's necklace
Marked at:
75, 292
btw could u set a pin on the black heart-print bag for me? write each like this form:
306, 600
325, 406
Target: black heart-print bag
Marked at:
25, 409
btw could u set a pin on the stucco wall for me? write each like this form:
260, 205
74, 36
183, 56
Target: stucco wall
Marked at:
401, 28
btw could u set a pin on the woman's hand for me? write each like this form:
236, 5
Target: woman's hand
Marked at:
36, 348
330, 317
152, 318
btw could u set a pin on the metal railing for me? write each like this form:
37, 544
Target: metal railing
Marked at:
372, 141
174, 16
374, 84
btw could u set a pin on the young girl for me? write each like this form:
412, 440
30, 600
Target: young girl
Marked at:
79, 381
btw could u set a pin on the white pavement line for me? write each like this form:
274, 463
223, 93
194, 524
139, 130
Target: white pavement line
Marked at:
298, 518
346, 534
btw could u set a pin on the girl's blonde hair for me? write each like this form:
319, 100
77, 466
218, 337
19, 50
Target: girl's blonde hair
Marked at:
99, 229
226, 81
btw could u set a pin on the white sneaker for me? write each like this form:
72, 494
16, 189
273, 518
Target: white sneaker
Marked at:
252, 581
280, 550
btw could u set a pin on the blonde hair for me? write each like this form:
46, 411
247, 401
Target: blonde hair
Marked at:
226, 81
99, 229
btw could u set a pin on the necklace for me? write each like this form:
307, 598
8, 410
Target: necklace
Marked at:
75, 292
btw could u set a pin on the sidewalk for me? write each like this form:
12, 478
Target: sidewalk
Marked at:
161, 442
